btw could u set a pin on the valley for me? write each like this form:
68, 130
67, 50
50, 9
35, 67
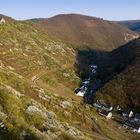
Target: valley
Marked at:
41, 66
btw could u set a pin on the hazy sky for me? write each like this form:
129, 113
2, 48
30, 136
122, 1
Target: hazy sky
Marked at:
107, 9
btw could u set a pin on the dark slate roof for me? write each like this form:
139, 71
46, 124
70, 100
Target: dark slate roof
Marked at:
127, 111
77, 90
103, 112
132, 124
137, 116
107, 106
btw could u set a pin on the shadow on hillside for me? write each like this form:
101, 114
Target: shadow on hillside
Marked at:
85, 58
109, 65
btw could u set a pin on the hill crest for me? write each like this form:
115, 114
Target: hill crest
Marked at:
87, 31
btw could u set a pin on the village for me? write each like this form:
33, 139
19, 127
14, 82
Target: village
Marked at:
127, 118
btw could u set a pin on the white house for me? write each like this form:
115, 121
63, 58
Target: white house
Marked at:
117, 108
107, 107
2, 20
81, 91
94, 66
107, 115
128, 113
86, 82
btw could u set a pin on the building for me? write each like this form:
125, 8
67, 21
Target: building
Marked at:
106, 114
2, 20
94, 66
77, 90
128, 113
137, 118
86, 82
94, 69
117, 108
103, 106
132, 126
81, 91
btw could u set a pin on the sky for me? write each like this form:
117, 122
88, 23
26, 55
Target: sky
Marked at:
107, 9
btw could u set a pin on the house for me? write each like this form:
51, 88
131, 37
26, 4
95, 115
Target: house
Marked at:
137, 118
97, 104
77, 90
128, 113
86, 82
2, 20
107, 107
94, 66
103, 106
132, 126
94, 71
106, 114
81, 91
117, 108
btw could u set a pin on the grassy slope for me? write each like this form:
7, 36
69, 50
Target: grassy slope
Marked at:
31, 53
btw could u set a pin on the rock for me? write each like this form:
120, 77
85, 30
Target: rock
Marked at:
25, 54
66, 75
75, 133
15, 92
65, 104
1, 64
10, 68
33, 78
38, 108
24, 135
2, 116
33, 109
42, 95
39, 134
56, 107
67, 114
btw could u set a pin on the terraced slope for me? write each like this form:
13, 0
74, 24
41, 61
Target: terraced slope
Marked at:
32, 54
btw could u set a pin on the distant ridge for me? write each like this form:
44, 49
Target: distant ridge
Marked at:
131, 24
6, 17
82, 30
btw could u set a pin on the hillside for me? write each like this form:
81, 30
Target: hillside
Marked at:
124, 88
37, 81
80, 30
133, 25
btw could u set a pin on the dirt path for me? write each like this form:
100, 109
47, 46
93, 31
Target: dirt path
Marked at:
58, 90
